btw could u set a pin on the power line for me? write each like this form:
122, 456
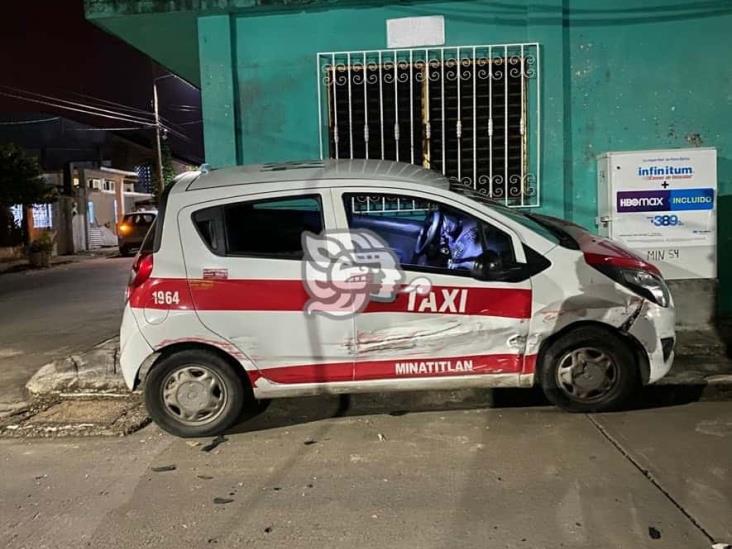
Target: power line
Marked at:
111, 129
66, 107
23, 122
76, 104
84, 109
113, 103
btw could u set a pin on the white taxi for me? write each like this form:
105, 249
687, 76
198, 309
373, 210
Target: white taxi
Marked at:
282, 280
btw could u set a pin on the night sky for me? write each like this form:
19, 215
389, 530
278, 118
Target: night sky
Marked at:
47, 47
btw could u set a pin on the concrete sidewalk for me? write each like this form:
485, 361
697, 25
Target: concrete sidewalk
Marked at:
324, 472
20, 265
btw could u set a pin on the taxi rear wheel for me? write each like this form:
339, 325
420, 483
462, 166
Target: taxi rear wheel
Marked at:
590, 369
194, 393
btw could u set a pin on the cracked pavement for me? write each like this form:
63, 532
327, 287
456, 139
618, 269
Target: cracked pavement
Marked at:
332, 471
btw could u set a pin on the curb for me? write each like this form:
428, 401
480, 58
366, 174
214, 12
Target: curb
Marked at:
22, 265
97, 372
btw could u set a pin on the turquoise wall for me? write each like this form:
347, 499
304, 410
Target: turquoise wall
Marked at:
616, 75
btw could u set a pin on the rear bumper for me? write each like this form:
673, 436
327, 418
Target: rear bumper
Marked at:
134, 349
654, 329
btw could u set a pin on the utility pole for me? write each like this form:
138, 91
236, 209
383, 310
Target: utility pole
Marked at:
161, 183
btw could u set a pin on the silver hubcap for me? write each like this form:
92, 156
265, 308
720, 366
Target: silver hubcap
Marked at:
586, 374
194, 394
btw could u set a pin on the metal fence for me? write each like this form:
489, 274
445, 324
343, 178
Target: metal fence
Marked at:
470, 112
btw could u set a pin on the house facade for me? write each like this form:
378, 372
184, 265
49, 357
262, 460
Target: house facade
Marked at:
515, 99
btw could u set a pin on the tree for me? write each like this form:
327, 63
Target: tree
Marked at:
20, 183
20, 178
168, 170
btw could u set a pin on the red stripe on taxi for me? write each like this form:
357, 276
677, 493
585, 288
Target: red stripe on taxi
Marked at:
290, 295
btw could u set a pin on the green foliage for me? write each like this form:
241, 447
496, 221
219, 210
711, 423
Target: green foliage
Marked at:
168, 170
20, 178
43, 243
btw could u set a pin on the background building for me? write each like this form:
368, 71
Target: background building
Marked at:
530, 93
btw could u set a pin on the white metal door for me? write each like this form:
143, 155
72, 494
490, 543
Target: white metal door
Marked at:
257, 302
462, 327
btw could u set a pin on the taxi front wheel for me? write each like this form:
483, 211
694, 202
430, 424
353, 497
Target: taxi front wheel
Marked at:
194, 393
589, 370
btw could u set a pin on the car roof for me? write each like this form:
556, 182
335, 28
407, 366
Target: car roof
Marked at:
368, 172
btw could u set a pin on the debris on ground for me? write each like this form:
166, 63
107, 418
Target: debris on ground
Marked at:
382, 438
654, 533
55, 415
309, 441
214, 443
222, 501
193, 443
163, 468
204, 477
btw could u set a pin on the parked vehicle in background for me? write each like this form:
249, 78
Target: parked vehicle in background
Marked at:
132, 229
224, 295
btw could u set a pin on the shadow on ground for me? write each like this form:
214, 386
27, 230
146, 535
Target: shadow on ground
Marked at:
295, 411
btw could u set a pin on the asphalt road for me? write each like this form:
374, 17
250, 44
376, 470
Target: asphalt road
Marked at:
49, 314
322, 473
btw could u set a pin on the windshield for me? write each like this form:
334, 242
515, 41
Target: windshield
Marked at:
527, 220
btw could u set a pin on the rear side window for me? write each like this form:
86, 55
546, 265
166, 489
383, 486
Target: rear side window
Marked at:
264, 228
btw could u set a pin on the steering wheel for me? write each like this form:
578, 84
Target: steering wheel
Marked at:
429, 231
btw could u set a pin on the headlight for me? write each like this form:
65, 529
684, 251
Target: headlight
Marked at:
645, 284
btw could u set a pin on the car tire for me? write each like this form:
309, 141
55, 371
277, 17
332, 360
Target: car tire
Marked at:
194, 393
590, 369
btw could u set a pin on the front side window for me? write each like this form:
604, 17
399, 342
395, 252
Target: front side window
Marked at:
263, 228
426, 235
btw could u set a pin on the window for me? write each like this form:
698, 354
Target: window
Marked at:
427, 235
42, 215
471, 113
139, 219
108, 185
524, 219
147, 243
264, 228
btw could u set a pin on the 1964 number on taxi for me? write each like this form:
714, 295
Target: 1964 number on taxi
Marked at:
161, 297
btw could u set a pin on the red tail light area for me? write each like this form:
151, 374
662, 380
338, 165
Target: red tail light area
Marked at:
141, 271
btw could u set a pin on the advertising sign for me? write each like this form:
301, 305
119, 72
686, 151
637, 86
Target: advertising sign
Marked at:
663, 205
